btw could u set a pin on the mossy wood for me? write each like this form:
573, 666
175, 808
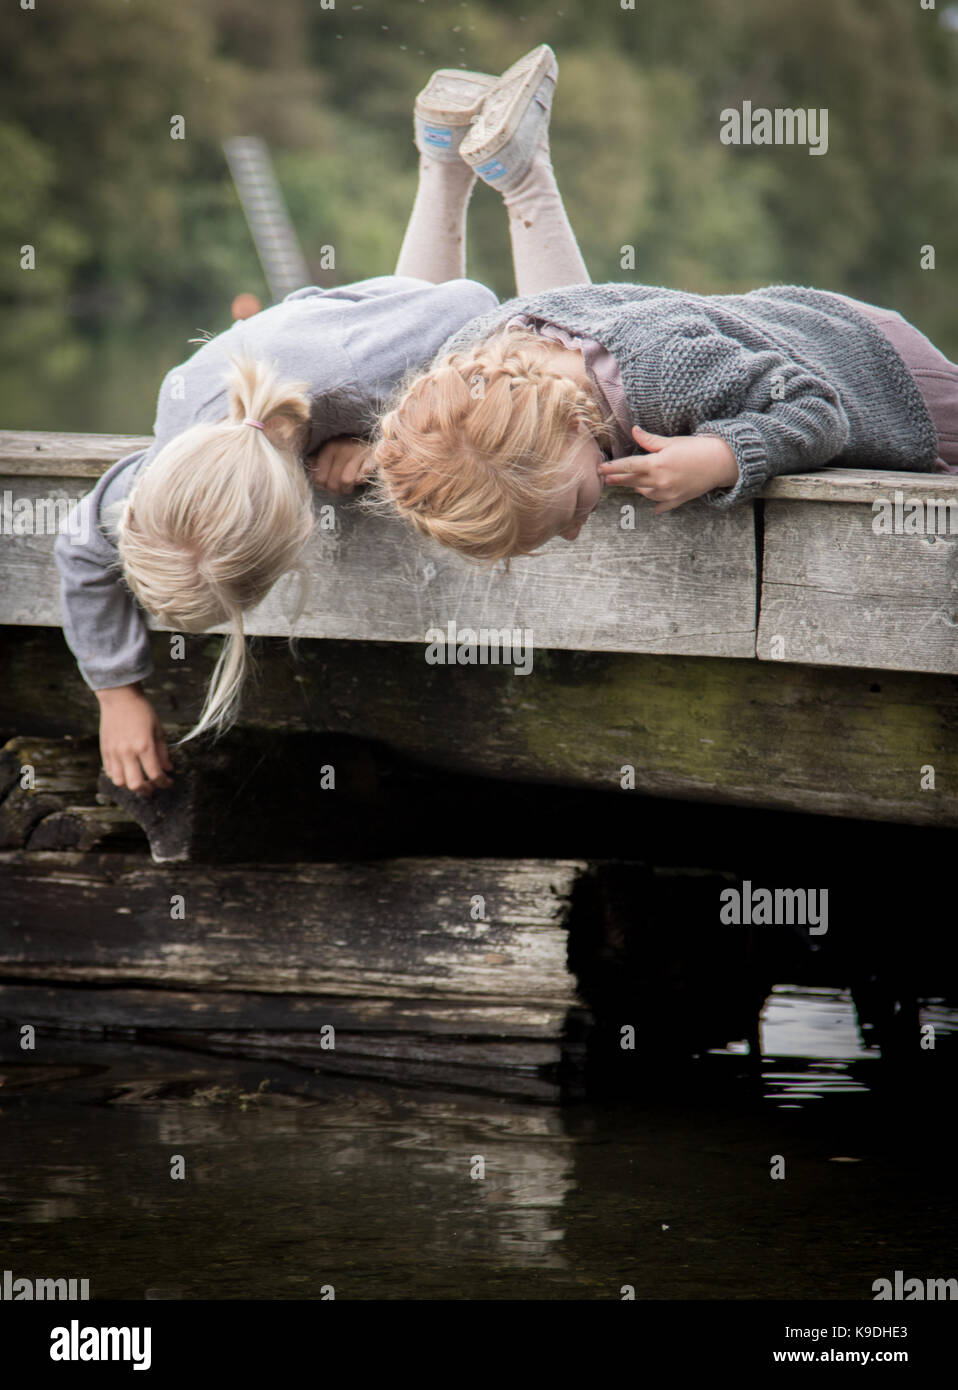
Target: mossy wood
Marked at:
830, 741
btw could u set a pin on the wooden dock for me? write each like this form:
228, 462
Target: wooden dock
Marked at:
788, 654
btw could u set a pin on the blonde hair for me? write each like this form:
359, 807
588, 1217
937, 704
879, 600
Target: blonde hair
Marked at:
219, 515
474, 449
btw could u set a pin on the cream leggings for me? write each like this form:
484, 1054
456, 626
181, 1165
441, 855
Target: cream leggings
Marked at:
545, 253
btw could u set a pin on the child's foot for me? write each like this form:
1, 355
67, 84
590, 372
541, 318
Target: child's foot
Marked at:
512, 126
445, 107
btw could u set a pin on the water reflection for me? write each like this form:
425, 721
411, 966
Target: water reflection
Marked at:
818, 1027
296, 1179
813, 1044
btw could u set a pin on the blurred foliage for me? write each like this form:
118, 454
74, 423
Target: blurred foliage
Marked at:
139, 228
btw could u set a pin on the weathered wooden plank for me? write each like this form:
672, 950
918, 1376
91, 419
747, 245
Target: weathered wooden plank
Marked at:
836, 593
830, 741
29, 579
507, 1048
683, 582
41, 453
87, 828
182, 1073
93, 1008
858, 485
393, 928
528, 1071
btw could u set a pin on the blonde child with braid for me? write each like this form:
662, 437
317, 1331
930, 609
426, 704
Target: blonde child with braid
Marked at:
509, 438
196, 529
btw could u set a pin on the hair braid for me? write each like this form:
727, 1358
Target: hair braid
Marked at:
474, 449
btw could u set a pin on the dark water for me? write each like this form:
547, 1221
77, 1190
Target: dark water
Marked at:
295, 1181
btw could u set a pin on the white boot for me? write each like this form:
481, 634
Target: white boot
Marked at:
447, 104
508, 130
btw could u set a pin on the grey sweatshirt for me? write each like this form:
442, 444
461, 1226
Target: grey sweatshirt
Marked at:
353, 345
791, 378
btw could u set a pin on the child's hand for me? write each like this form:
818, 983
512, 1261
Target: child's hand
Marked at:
674, 470
340, 464
132, 743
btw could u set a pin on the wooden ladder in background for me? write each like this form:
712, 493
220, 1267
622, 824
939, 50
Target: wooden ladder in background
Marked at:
277, 245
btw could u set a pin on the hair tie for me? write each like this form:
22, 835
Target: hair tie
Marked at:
257, 424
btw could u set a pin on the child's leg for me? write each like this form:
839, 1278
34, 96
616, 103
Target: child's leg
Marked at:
545, 252
508, 147
434, 247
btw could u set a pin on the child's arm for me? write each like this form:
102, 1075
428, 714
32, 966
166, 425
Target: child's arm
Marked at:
402, 333
773, 414
106, 633
132, 742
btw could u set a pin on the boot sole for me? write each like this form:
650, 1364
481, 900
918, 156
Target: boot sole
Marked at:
428, 110
541, 62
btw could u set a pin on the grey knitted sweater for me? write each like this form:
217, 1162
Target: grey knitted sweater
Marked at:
791, 378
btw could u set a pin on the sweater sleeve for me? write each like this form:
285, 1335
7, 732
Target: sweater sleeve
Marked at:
102, 622
775, 415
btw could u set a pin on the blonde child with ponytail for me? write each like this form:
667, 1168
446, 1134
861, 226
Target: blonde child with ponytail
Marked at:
221, 515
196, 529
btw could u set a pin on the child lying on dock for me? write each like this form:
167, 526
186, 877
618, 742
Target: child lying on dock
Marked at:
509, 437
197, 529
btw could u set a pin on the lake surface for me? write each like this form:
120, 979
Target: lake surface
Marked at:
99, 377
295, 1181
